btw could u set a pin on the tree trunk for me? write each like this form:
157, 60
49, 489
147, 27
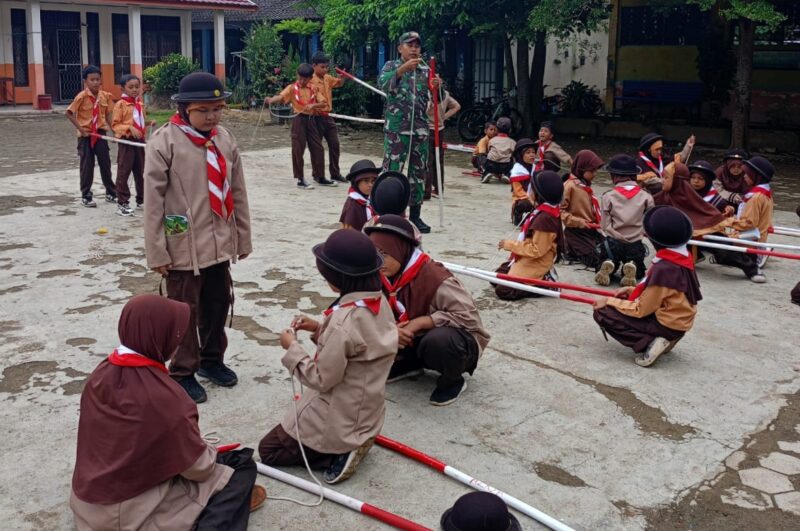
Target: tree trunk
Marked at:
511, 77
523, 86
740, 118
537, 77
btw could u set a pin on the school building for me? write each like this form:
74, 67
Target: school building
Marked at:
45, 44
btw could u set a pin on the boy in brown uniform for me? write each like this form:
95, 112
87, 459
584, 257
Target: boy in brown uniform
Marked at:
482, 147
580, 209
90, 113
501, 149
548, 145
306, 102
655, 315
129, 123
324, 83
534, 252
342, 408
196, 221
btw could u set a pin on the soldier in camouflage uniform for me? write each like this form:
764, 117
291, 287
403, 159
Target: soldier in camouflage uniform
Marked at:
405, 81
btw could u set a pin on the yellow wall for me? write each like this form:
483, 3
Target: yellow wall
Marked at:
657, 63
777, 80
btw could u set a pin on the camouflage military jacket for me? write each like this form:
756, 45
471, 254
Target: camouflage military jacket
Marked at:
402, 94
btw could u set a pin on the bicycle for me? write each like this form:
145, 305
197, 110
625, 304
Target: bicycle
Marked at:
471, 121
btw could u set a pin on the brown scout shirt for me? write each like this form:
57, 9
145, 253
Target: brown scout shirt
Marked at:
757, 213
576, 207
287, 96
622, 219
501, 148
671, 307
122, 119
558, 151
81, 107
453, 306
536, 254
325, 85
176, 183
343, 404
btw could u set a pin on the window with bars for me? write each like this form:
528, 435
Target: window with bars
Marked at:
121, 45
161, 36
19, 47
666, 25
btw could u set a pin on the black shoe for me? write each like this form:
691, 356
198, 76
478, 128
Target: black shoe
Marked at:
404, 368
345, 465
88, 202
111, 198
339, 178
218, 373
447, 394
414, 217
193, 389
325, 182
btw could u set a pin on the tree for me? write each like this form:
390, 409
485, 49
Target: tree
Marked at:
750, 17
263, 50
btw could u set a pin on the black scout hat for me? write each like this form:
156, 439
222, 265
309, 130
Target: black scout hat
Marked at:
547, 125
736, 153
762, 167
704, 167
548, 186
522, 143
200, 86
648, 140
623, 165
479, 511
349, 252
667, 226
390, 193
396, 225
361, 170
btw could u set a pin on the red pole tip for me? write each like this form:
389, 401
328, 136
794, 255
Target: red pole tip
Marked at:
392, 519
410, 452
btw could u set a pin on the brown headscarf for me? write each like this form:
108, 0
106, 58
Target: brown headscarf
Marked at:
585, 160
683, 197
138, 427
730, 182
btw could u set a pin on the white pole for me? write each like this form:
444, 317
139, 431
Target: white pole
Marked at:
509, 284
332, 495
751, 243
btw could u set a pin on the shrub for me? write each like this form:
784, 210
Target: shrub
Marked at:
263, 50
351, 99
580, 100
165, 76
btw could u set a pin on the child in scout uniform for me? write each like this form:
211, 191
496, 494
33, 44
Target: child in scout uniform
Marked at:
535, 250
196, 221
357, 209
341, 410
482, 147
306, 102
390, 196
622, 209
702, 176
580, 210
438, 324
129, 123
405, 82
652, 157
90, 113
501, 149
652, 317
324, 83
730, 183
546, 144
520, 177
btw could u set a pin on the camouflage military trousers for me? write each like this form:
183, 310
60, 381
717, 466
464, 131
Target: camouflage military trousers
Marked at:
395, 149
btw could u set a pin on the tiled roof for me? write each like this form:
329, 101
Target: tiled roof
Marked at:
197, 4
273, 10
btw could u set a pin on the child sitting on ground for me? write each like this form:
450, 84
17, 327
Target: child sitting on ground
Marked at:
548, 145
702, 180
580, 210
524, 153
482, 147
306, 102
501, 147
534, 252
390, 195
655, 315
357, 209
622, 209
129, 123
342, 408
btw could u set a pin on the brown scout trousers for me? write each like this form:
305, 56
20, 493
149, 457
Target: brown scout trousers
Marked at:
87, 154
130, 159
305, 131
633, 332
328, 131
278, 448
209, 298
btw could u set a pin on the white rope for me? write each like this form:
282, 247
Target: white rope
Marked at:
258, 123
356, 118
282, 116
118, 140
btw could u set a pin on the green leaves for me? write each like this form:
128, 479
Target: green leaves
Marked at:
762, 12
264, 53
298, 26
165, 76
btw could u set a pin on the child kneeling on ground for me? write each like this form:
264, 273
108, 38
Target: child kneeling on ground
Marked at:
652, 317
342, 409
357, 209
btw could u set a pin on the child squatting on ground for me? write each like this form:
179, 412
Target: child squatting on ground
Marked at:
341, 410
90, 113
197, 220
357, 209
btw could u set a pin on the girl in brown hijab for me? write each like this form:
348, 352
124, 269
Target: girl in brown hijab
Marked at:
141, 461
730, 183
679, 193
580, 211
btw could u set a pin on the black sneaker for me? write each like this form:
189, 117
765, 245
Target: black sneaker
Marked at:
88, 202
345, 465
304, 185
404, 368
444, 395
339, 178
139, 205
325, 182
111, 198
218, 373
193, 389
124, 210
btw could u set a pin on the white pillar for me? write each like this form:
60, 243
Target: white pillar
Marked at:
6, 57
186, 34
85, 40
106, 40
135, 36
219, 45
35, 46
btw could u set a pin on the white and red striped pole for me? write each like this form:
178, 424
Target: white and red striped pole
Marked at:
785, 231
350, 76
437, 163
342, 499
470, 481
749, 243
747, 250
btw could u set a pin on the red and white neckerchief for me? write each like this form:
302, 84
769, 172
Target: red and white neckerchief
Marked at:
374, 305
413, 267
543, 147
95, 116
547, 208
651, 164
519, 173
356, 196
219, 191
125, 357
677, 255
138, 112
588, 190
301, 102
628, 191
763, 189
710, 196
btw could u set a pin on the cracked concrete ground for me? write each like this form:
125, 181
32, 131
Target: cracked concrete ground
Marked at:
554, 415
